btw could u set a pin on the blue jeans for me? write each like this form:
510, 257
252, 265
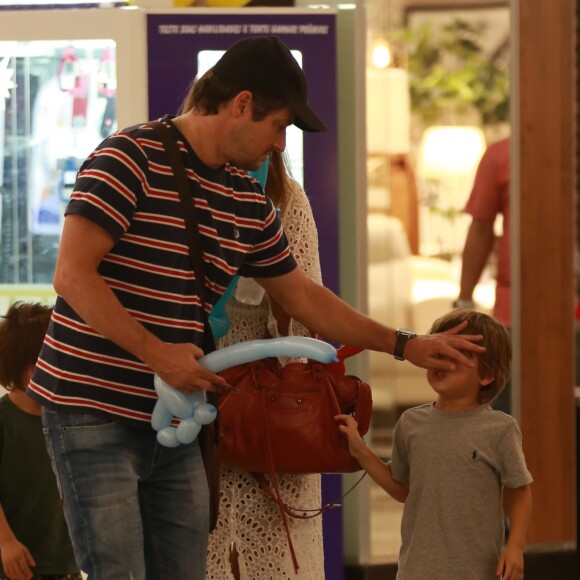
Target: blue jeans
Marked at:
135, 509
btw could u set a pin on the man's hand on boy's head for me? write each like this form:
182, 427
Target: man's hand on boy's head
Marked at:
443, 350
511, 563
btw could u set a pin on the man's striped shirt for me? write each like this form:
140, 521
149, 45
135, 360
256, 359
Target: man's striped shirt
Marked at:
126, 186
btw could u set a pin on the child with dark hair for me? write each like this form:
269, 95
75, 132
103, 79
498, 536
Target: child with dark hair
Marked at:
34, 539
454, 463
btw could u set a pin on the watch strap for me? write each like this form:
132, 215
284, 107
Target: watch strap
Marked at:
403, 336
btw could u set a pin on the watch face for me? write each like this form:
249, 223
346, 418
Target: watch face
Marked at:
406, 332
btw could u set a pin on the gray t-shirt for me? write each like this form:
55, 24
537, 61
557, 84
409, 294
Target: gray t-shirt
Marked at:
456, 464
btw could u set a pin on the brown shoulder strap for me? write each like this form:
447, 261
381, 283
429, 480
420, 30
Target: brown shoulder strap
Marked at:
193, 238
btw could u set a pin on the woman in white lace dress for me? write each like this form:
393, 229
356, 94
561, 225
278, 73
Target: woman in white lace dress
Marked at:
249, 541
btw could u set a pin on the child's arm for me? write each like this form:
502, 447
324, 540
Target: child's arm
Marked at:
519, 510
16, 559
373, 465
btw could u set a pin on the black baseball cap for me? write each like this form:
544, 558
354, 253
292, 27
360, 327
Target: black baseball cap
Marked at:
265, 64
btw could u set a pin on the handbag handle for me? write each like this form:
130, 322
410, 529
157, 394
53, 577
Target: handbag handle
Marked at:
301, 513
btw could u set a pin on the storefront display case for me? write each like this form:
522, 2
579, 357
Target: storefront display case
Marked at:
68, 78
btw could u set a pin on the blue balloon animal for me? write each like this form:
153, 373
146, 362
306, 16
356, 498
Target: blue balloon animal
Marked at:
192, 408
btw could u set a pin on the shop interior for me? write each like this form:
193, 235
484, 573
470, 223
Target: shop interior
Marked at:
426, 193
439, 89
429, 119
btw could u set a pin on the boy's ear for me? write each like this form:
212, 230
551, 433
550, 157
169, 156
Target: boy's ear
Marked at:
486, 381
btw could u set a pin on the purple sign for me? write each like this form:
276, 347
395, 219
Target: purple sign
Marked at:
174, 43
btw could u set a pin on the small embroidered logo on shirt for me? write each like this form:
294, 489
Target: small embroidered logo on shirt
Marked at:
237, 234
474, 454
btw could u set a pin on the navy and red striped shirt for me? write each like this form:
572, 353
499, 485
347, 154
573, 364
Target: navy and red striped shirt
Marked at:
126, 186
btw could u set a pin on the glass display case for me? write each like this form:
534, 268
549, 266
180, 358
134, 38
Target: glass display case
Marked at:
60, 96
58, 103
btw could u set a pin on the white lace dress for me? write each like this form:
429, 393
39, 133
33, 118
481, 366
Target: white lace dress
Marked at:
248, 519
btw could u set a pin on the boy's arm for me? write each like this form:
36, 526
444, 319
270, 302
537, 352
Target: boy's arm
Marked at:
377, 469
518, 502
16, 559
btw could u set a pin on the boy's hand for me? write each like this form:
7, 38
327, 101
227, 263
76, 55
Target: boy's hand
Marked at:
511, 563
356, 443
369, 461
17, 560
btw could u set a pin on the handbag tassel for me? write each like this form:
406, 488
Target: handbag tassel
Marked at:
275, 495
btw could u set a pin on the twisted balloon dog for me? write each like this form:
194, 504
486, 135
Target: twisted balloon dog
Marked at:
192, 408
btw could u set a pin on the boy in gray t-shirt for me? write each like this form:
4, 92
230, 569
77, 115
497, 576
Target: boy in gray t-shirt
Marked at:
454, 463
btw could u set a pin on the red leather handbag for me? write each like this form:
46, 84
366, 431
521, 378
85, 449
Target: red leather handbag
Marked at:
282, 418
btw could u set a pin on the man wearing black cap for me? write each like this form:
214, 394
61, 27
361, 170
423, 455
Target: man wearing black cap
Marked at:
256, 78
264, 65
129, 308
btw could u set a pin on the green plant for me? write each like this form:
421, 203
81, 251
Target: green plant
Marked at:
450, 73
